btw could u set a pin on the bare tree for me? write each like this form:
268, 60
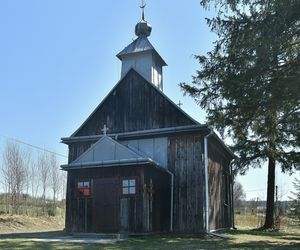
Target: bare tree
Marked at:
35, 180
43, 171
13, 174
27, 163
27, 176
238, 194
55, 181
63, 177
6, 181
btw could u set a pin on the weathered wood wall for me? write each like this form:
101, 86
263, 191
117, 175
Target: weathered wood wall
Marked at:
160, 217
73, 216
185, 161
219, 187
78, 148
133, 105
109, 209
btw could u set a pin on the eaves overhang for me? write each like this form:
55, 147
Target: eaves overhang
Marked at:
203, 128
140, 45
139, 134
115, 163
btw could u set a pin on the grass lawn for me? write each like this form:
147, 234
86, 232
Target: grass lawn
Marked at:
241, 239
20, 227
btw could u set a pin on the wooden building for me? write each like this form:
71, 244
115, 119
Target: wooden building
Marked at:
140, 164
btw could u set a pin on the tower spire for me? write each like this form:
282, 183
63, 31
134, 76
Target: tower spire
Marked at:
143, 5
143, 28
141, 56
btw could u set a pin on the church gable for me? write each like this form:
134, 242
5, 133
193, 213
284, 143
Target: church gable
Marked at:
106, 150
134, 104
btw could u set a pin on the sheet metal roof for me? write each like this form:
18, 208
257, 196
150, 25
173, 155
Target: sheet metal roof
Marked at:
108, 152
141, 44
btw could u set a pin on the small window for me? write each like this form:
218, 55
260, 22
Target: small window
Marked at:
84, 188
129, 186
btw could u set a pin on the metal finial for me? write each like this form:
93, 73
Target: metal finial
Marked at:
143, 9
143, 28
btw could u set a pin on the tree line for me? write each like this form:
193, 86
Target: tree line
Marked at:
31, 183
287, 213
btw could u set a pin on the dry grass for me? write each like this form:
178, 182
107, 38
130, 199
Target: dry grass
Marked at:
265, 240
251, 221
248, 221
21, 223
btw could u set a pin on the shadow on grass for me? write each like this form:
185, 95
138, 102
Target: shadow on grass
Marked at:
46, 234
170, 242
182, 242
28, 245
273, 234
268, 240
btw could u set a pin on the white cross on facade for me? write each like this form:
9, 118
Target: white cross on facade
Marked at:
105, 129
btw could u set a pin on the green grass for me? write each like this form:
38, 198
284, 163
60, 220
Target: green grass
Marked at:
241, 239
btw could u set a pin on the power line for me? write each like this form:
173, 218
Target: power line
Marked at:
33, 146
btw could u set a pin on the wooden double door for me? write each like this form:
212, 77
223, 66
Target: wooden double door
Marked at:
107, 211
105, 205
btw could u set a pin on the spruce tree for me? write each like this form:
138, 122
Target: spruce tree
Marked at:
249, 84
295, 204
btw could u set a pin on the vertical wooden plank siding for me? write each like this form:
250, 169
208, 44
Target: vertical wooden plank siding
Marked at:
159, 218
120, 212
134, 105
73, 210
219, 188
185, 162
124, 215
77, 149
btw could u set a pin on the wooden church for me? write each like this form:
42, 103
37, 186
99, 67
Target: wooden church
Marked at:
140, 164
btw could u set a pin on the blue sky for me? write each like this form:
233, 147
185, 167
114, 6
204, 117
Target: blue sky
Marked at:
57, 62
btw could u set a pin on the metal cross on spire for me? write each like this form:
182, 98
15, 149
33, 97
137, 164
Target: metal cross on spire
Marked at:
143, 5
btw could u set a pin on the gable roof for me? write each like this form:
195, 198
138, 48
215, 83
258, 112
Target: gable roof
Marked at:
141, 44
134, 104
108, 152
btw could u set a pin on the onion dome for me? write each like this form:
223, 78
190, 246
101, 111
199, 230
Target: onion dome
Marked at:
143, 29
